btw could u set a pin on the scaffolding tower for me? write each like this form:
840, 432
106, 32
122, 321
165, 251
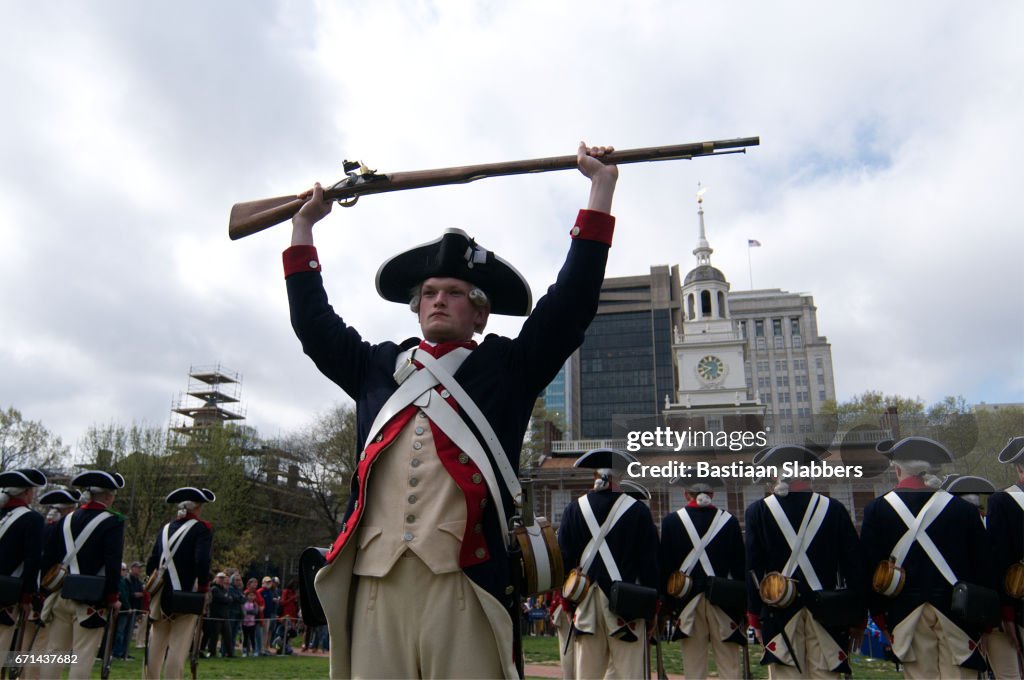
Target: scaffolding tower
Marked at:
212, 399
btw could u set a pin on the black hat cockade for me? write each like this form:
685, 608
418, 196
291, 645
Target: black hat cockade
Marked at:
22, 478
455, 255
915, 448
967, 484
98, 479
635, 489
191, 493
1013, 452
60, 497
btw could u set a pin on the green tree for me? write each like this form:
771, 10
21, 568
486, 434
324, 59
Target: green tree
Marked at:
150, 470
534, 441
26, 443
327, 459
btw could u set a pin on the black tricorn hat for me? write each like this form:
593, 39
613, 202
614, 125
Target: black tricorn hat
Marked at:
24, 477
455, 255
692, 483
99, 479
60, 497
635, 489
1013, 451
967, 484
191, 493
915, 448
781, 454
612, 459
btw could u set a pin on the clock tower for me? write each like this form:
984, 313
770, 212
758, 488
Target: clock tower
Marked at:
709, 353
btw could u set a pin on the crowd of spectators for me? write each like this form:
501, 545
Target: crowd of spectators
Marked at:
257, 617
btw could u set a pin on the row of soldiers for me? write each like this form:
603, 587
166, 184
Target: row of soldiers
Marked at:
59, 575
945, 586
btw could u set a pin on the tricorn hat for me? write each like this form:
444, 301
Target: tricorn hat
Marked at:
694, 484
99, 479
635, 489
1013, 451
612, 459
915, 448
24, 477
784, 453
60, 497
958, 484
191, 493
456, 255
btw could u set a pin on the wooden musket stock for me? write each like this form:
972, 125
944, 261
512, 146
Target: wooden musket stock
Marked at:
253, 216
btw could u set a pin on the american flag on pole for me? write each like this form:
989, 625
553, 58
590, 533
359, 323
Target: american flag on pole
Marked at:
753, 243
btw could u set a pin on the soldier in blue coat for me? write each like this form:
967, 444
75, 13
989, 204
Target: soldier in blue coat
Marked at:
796, 533
181, 559
949, 545
1006, 536
21, 530
610, 537
702, 541
88, 548
420, 585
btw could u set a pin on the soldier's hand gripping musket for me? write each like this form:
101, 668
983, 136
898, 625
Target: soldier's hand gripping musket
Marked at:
253, 216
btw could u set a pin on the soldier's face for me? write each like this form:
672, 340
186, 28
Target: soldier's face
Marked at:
446, 313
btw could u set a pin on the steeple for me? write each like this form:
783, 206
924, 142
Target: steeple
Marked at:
703, 250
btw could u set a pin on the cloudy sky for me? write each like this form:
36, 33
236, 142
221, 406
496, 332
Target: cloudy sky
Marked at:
887, 183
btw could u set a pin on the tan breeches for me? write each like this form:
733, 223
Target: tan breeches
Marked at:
413, 623
1003, 654
170, 641
806, 649
930, 648
695, 647
66, 635
39, 643
601, 656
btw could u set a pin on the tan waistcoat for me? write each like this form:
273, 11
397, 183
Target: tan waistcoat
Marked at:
412, 504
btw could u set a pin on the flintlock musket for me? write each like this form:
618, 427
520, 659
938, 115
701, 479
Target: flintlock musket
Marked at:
253, 216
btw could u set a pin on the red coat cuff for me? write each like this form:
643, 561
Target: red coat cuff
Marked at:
300, 259
1008, 612
112, 598
753, 620
203, 588
26, 598
594, 226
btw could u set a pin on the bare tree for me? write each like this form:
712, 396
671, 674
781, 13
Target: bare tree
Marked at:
26, 443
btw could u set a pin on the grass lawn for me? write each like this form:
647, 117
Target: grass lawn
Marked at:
544, 649
541, 649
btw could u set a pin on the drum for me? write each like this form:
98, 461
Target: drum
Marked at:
154, 583
777, 590
888, 578
53, 579
541, 561
679, 584
1014, 581
576, 586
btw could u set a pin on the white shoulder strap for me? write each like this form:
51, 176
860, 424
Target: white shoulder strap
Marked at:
799, 541
1017, 495
12, 517
445, 377
73, 544
700, 543
170, 547
597, 544
7, 522
917, 528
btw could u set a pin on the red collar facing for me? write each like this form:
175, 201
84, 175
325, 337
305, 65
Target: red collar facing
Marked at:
440, 349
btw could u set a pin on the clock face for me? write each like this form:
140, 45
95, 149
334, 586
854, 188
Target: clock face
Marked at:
710, 369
